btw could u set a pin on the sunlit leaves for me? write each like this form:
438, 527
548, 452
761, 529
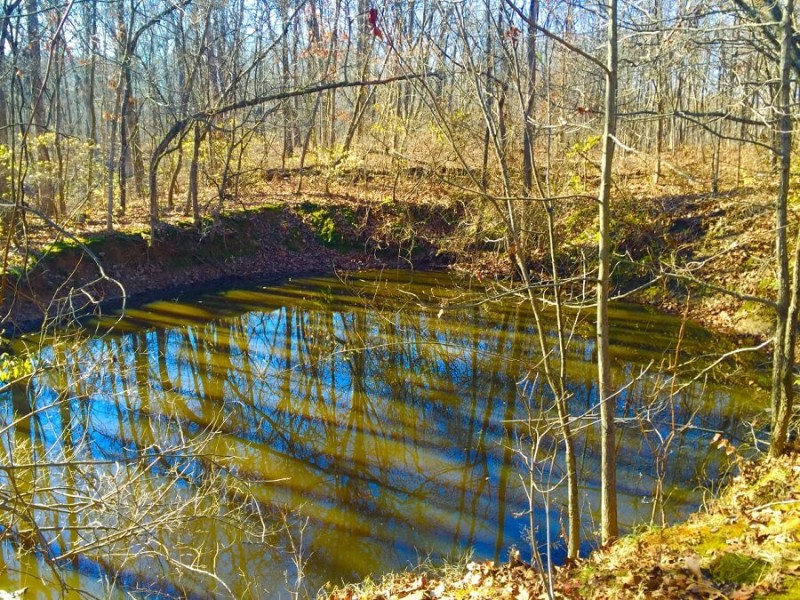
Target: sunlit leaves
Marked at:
13, 368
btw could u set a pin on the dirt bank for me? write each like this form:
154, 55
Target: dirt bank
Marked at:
266, 242
672, 240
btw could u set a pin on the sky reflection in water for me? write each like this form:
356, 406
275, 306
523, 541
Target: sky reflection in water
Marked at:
357, 414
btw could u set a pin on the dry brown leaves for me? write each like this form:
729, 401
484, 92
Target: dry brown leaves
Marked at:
477, 580
756, 524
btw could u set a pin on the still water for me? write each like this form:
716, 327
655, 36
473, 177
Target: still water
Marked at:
258, 442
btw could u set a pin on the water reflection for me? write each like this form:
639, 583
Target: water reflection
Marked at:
366, 421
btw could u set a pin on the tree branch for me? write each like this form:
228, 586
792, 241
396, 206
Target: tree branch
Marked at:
571, 47
181, 124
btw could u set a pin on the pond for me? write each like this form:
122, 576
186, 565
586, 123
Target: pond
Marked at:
259, 442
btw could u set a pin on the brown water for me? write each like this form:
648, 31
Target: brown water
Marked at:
202, 448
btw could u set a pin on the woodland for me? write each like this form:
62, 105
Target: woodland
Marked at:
569, 153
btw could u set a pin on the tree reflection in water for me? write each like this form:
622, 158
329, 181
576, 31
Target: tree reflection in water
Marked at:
361, 407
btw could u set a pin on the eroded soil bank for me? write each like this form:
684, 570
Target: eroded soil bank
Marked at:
724, 237
267, 242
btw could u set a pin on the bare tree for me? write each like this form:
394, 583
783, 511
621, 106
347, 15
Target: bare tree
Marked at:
788, 299
608, 467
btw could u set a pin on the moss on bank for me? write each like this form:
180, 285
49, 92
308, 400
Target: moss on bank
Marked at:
267, 242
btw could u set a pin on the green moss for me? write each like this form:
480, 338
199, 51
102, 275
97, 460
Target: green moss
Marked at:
737, 568
767, 284
328, 223
239, 214
792, 591
772, 486
66, 244
715, 539
326, 227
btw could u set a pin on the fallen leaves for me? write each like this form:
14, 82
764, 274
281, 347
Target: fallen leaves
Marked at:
476, 580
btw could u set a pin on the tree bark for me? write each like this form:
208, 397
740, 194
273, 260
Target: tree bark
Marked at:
608, 464
90, 16
527, 142
191, 200
110, 162
45, 189
787, 302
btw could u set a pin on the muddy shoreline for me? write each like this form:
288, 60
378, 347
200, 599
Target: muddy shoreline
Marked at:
271, 242
98, 273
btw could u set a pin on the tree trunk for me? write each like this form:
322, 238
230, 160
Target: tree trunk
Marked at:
45, 189
124, 132
716, 145
527, 142
134, 143
111, 150
608, 466
173, 181
787, 303
192, 196
661, 91
133, 146
289, 116
60, 185
90, 16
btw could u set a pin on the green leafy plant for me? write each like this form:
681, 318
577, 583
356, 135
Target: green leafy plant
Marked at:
583, 147
326, 227
13, 367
